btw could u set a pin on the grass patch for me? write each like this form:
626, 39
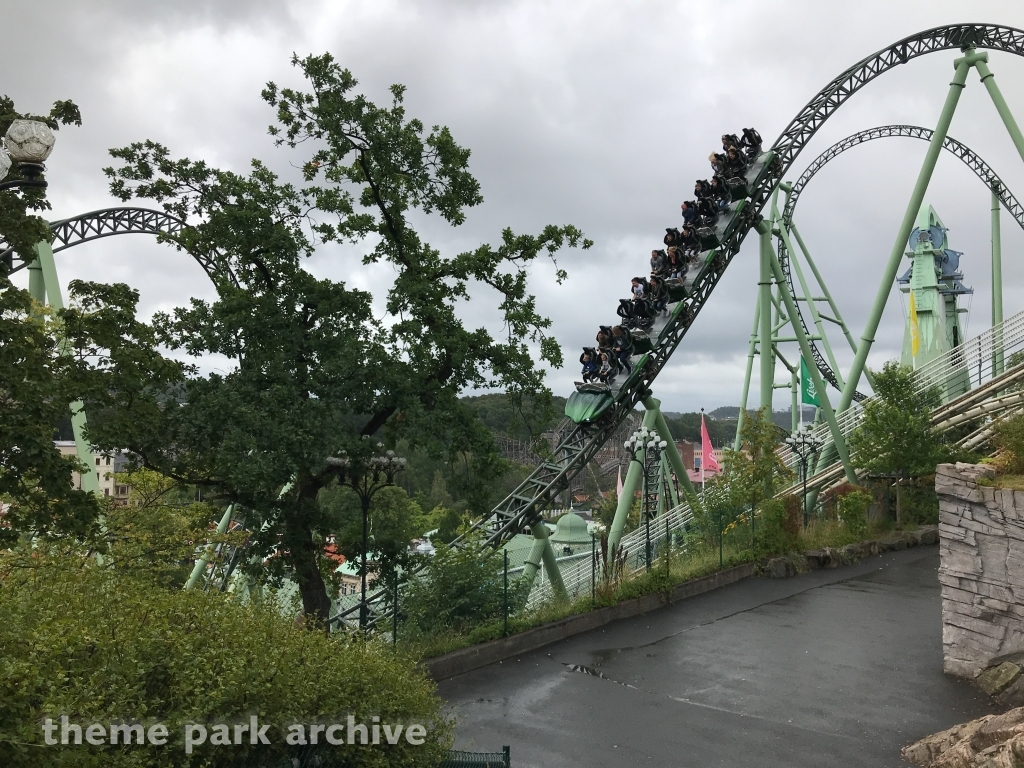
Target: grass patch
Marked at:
831, 533
1006, 482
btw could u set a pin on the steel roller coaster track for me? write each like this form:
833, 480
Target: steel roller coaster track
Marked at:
525, 505
970, 158
120, 221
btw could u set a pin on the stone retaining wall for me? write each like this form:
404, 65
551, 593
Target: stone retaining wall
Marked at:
981, 548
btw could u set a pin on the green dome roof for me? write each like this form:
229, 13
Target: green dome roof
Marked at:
571, 529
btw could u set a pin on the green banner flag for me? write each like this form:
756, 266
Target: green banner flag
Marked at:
808, 392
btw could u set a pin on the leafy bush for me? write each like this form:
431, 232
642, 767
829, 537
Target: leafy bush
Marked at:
100, 646
920, 502
459, 588
1009, 440
154, 536
852, 508
776, 533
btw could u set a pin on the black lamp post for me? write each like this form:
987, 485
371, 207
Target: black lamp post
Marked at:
366, 477
28, 143
651, 445
805, 444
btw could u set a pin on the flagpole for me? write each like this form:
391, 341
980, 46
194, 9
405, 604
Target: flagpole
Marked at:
703, 458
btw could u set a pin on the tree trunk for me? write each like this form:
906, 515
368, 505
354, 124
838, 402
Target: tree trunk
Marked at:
302, 555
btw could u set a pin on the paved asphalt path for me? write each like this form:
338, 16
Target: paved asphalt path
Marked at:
838, 667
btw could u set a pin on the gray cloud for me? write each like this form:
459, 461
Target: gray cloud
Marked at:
599, 114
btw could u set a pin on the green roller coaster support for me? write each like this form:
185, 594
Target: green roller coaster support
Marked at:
36, 286
751, 351
542, 552
633, 477
997, 286
43, 285
202, 562
663, 475
673, 453
764, 294
826, 406
673, 490
1018, 141
836, 315
981, 64
963, 66
808, 297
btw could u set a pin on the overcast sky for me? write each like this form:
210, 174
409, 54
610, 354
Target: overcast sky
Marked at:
598, 114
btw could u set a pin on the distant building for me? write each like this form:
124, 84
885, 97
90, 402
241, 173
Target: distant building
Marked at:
349, 581
104, 464
692, 455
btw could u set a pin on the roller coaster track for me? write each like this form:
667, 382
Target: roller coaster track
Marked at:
970, 158
121, 221
525, 505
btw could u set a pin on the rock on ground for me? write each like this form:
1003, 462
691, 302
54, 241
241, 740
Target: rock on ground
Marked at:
993, 741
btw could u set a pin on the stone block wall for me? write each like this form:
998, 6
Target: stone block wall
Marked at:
981, 547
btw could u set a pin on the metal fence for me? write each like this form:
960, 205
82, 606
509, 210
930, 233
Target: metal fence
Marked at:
578, 570
971, 364
324, 756
457, 759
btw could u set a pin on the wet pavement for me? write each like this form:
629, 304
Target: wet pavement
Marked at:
833, 668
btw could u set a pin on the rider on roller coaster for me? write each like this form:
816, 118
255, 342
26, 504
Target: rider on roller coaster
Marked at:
659, 263
589, 360
658, 294
622, 345
735, 163
689, 208
676, 263
615, 344
751, 143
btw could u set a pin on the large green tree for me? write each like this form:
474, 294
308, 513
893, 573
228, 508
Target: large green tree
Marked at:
895, 437
751, 476
317, 366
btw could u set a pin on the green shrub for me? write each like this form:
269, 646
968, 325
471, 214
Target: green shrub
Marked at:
460, 588
852, 508
776, 533
1009, 439
99, 646
920, 502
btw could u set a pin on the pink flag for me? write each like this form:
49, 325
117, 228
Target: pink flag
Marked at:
708, 460
618, 484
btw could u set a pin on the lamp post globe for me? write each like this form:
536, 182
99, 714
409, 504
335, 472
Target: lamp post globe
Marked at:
28, 144
29, 141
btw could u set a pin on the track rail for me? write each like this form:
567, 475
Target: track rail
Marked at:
525, 505
960, 150
127, 220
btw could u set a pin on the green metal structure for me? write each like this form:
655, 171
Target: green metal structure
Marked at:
789, 282
933, 288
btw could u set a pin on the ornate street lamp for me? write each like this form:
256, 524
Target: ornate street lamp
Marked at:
28, 144
366, 477
649, 445
805, 444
